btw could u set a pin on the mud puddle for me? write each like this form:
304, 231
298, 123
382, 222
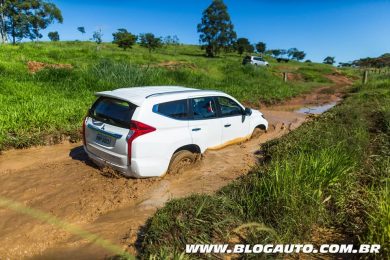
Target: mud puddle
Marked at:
316, 110
60, 181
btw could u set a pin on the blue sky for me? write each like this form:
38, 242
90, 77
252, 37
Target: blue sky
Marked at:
345, 29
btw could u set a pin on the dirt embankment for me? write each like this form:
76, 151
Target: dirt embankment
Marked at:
59, 180
35, 66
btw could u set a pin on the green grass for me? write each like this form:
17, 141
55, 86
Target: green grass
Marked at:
377, 170
52, 102
332, 172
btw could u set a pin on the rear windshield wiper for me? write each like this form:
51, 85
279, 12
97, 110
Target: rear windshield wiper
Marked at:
111, 120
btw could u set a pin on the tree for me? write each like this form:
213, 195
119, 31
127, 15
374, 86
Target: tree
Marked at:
124, 39
81, 29
243, 45
250, 48
216, 29
276, 53
299, 55
291, 52
172, 41
54, 36
345, 64
97, 36
260, 47
25, 19
149, 41
295, 54
283, 52
378, 62
329, 60
3, 29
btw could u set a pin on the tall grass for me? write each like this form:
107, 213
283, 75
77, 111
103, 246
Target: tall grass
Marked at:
319, 176
377, 170
314, 73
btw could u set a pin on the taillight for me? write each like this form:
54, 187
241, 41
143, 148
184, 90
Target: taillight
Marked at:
84, 138
136, 129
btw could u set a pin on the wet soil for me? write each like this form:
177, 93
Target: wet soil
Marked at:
61, 181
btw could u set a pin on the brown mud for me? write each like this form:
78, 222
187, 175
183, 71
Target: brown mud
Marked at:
173, 65
35, 66
61, 181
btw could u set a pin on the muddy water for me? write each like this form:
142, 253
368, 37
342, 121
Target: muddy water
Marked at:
60, 180
316, 110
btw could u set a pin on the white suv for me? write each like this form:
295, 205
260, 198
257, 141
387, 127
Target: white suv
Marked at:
254, 60
148, 131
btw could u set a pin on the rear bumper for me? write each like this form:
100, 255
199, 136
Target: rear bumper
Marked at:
137, 169
124, 169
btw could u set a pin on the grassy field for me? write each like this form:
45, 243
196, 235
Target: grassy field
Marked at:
36, 108
329, 177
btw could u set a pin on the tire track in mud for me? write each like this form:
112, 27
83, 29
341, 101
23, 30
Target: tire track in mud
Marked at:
61, 181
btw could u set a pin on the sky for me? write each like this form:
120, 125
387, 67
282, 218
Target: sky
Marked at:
346, 29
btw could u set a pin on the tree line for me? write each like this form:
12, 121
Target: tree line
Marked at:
217, 34
26, 19
125, 40
378, 62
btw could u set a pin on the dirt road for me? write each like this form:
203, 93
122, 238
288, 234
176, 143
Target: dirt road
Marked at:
45, 189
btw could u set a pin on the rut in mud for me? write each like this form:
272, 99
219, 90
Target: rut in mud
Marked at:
60, 180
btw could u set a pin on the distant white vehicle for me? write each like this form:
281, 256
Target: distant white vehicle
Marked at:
146, 131
255, 60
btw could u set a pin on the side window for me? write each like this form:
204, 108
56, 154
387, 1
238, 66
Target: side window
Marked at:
177, 109
229, 107
203, 108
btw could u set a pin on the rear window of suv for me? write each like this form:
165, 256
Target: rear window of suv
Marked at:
113, 111
177, 109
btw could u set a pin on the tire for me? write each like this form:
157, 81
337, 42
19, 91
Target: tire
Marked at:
182, 160
256, 133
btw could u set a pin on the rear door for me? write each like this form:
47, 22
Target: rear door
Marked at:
205, 126
107, 127
234, 124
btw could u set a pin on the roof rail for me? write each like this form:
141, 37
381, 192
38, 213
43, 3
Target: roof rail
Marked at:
176, 92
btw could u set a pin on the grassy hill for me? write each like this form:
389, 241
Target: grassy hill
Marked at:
49, 104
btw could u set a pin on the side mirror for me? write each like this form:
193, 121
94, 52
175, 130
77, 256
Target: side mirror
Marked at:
247, 111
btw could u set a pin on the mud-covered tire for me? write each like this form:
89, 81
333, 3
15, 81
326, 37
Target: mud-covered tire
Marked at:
256, 133
182, 160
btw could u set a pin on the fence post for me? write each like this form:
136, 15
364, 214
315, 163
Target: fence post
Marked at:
285, 76
365, 77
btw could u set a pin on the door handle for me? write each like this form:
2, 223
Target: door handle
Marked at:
228, 125
196, 129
